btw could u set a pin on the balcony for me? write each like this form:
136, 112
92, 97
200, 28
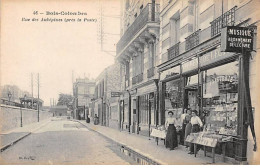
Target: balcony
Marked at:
137, 79
227, 19
140, 77
192, 40
148, 15
150, 72
173, 52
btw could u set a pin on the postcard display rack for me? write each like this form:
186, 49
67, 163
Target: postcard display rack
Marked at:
220, 127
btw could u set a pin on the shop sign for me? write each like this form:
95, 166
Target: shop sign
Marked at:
170, 72
236, 39
213, 56
190, 65
116, 94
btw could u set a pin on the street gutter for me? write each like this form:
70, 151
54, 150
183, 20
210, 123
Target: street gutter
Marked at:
129, 148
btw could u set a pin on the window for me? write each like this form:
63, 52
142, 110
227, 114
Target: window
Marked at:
127, 71
151, 54
220, 96
175, 29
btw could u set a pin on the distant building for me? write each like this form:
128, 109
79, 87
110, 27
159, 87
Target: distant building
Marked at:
59, 110
104, 105
83, 92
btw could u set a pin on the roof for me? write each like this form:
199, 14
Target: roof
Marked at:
29, 99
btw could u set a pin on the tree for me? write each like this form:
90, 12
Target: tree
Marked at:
64, 99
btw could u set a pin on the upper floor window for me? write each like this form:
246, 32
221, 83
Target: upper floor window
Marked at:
175, 28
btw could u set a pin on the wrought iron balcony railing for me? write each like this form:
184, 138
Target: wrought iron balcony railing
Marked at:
227, 19
150, 14
140, 77
150, 72
137, 79
173, 52
192, 40
134, 80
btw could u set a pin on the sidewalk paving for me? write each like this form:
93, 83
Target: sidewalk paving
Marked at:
149, 149
10, 137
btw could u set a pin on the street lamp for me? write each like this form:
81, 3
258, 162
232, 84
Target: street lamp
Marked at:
21, 109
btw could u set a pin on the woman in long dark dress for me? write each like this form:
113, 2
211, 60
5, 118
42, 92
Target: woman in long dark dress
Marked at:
171, 136
188, 127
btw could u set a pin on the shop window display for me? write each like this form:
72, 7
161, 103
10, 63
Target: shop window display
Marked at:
220, 96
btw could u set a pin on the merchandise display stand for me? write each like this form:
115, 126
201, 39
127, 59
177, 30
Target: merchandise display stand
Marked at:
207, 141
158, 134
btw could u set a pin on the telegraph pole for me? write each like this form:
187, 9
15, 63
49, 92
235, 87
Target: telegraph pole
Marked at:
32, 87
38, 80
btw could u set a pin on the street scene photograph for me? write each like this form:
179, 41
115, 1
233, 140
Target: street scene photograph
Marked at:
129, 82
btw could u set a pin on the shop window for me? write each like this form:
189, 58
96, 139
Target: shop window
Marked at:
173, 98
220, 97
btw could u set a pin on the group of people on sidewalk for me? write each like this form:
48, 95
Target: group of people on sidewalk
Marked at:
96, 119
191, 123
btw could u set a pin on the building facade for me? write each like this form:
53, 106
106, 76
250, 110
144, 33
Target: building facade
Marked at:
104, 104
138, 53
195, 73
83, 92
171, 59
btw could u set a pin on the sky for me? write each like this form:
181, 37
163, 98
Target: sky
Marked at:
54, 50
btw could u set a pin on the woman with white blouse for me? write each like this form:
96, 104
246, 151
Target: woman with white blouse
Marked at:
196, 125
171, 136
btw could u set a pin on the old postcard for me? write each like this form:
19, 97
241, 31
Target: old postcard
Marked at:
129, 82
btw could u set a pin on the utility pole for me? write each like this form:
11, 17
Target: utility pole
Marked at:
32, 87
38, 80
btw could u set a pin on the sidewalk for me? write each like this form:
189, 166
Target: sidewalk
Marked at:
149, 149
11, 137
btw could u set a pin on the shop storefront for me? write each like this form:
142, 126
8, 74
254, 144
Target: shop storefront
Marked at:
147, 105
209, 83
144, 108
172, 88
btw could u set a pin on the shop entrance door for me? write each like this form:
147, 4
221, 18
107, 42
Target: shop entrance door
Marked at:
191, 98
134, 128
